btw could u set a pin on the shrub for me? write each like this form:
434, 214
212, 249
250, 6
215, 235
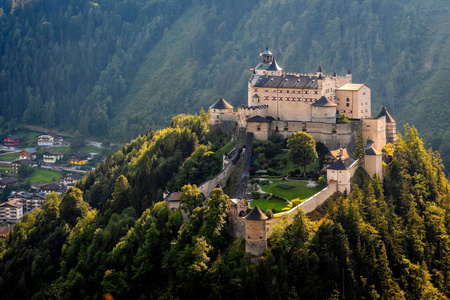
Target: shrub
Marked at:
269, 214
322, 180
272, 172
256, 195
295, 202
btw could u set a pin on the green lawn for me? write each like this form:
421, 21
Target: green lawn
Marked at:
90, 149
45, 176
9, 156
299, 191
265, 204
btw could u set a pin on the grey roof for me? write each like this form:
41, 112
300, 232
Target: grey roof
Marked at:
221, 104
286, 82
372, 151
334, 74
255, 96
173, 196
320, 76
80, 155
267, 51
256, 214
75, 176
384, 113
28, 161
340, 164
8, 180
274, 66
320, 69
260, 119
14, 137
323, 101
30, 150
349, 72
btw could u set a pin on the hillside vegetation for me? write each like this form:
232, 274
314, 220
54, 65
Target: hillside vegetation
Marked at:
113, 68
110, 235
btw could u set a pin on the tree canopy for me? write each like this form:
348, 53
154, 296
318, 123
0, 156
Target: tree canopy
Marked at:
302, 149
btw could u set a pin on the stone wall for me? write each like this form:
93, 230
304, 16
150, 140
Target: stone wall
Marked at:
221, 178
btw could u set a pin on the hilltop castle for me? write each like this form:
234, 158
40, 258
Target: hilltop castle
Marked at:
282, 103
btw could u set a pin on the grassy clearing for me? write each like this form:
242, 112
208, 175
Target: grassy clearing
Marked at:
276, 204
90, 149
45, 176
9, 156
299, 191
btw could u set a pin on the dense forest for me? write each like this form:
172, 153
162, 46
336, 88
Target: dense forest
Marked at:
112, 69
111, 234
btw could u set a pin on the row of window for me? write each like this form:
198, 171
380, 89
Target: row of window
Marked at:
293, 92
290, 99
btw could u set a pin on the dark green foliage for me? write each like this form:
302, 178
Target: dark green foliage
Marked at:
385, 240
302, 149
25, 170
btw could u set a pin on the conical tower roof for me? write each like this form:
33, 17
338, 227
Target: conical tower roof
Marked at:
256, 214
274, 66
319, 70
267, 52
349, 72
323, 101
221, 104
385, 113
338, 165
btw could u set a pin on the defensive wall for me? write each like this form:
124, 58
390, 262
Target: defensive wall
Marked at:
220, 179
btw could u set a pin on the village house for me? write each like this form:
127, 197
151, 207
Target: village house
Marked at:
52, 156
28, 154
11, 141
16, 164
71, 179
56, 188
172, 199
29, 201
78, 158
7, 181
5, 230
49, 139
11, 212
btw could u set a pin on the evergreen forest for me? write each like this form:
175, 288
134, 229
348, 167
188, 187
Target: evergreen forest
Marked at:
113, 69
111, 235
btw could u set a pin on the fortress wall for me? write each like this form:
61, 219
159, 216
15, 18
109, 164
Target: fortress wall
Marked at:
237, 227
318, 199
221, 178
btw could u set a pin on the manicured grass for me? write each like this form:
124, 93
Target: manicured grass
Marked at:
3, 169
265, 204
298, 192
9, 156
45, 176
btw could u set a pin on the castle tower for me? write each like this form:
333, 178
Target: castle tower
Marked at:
319, 72
373, 162
323, 110
221, 113
391, 126
255, 232
349, 75
267, 56
274, 69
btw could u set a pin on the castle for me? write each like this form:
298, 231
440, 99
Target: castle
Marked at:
281, 103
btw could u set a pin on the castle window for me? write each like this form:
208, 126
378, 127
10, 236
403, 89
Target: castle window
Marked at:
362, 110
258, 128
366, 103
348, 99
316, 92
256, 90
281, 98
288, 99
266, 97
267, 91
281, 92
287, 92
348, 104
218, 117
306, 92
367, 110
274, 98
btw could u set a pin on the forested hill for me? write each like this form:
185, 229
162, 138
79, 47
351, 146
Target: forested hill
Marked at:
114, 68
110, 235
